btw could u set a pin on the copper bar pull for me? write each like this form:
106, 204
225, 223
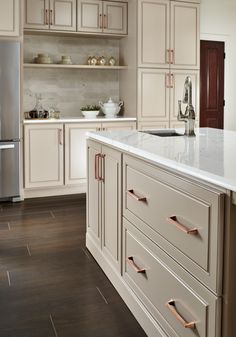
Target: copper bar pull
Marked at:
172, 58
100, 21
167, 56
102, 175
135, 196
171, 306
105, 23
96, 166
46, 17
173, 221
138, 270
171, 80
167, 80
51, 17
60, 136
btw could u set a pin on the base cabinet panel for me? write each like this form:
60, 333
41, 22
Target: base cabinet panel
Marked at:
43, 147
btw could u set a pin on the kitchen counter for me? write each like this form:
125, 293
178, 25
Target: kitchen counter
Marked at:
210, 156
79, 120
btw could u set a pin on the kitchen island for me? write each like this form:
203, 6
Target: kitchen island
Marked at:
160, 223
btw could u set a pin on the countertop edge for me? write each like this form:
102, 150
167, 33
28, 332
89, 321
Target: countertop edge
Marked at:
166, 163
79, 120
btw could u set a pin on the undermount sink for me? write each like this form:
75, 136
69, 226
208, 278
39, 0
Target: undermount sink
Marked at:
163, 133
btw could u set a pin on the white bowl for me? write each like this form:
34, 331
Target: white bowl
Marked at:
90, 114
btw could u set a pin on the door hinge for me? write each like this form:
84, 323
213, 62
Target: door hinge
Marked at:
224, 102
224, 55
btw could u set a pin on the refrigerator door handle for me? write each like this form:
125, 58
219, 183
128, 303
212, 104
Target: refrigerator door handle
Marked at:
6, 147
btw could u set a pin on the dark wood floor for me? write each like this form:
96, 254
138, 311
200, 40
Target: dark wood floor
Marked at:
50, 286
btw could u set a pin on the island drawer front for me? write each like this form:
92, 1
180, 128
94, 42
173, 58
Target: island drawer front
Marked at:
186, 217
193, 312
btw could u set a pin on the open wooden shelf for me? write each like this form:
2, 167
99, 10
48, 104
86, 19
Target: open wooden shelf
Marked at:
72, 66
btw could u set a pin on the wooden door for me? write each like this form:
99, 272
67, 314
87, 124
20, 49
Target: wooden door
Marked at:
10, 18
115, 17
63, 15
89, 16
75, 152
185, 52
153, 33
178, 79
94, 197
212, 84
153, 95
37, 14
43, 155
111, 199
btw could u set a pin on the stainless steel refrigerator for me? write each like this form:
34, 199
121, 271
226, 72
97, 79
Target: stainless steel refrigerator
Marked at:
9, 119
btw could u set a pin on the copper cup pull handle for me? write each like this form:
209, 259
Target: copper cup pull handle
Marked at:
138, 270
173, 221
171, 306
135, 196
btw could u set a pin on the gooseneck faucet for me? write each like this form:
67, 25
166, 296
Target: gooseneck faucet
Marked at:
189, 116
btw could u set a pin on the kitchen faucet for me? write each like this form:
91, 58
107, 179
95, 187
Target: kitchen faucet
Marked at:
189, 116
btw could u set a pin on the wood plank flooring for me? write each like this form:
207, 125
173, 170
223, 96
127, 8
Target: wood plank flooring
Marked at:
50, 285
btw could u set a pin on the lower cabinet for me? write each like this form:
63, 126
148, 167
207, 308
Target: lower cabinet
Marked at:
55, 156
104, 200
43, 150
158, 284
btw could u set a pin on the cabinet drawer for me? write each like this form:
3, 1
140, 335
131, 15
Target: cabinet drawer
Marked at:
192, 310
186, 217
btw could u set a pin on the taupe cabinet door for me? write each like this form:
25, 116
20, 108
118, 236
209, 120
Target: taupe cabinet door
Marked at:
111, 198
185, 40
50, 14
43, 155
104, 200
75, 152
37, 14
9, 17
95, 16
153, 33
168, 34
94, 199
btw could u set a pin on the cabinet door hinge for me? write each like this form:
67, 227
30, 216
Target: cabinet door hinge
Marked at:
224, 102
224, 55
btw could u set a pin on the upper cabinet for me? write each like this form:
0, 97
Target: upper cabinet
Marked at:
168, 34
9, 17
58, 15
107, 17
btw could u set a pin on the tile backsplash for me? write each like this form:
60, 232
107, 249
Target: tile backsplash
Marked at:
69, 89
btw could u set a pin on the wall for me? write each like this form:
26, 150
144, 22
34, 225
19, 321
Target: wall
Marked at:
218, 23
69, 89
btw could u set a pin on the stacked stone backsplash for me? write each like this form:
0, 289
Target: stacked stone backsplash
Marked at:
69, 89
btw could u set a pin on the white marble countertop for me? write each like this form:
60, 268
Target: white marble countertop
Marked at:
79, 120
210, 156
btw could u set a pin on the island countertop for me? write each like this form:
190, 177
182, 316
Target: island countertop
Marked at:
210, 156
78, 120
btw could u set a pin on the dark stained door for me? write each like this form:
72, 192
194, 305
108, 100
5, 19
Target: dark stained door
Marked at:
212, 84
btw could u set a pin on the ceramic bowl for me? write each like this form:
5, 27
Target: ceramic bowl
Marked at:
90, 114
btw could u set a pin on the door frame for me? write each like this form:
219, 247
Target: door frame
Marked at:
220, 38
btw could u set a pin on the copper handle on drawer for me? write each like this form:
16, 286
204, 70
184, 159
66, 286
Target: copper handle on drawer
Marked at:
173, 220
171, 306
138, 270
135, 196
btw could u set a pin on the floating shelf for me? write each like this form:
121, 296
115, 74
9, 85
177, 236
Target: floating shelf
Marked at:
72, 66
